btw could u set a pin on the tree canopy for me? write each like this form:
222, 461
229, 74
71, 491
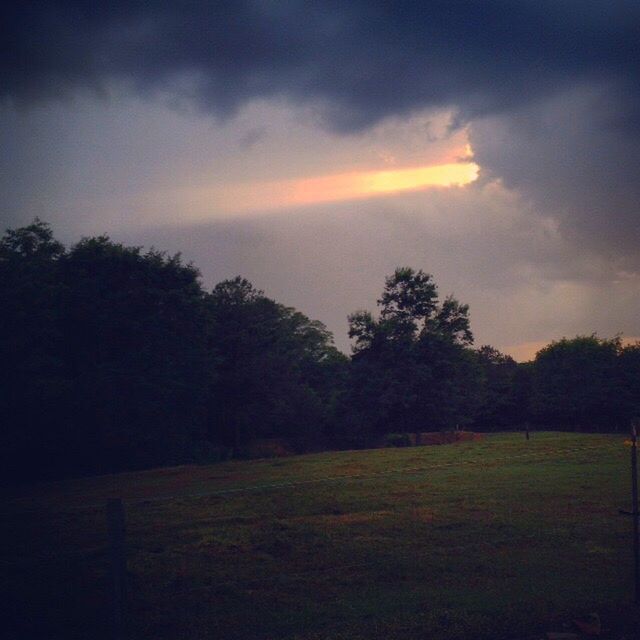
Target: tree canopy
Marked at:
586, 383
114, 357
412, 366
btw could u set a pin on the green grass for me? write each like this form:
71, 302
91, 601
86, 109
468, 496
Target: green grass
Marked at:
481, 539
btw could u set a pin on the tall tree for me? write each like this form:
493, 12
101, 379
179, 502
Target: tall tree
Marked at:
135, 334
412, 367
103, 360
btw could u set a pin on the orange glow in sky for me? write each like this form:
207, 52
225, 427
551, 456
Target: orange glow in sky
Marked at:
346, 186
526, 351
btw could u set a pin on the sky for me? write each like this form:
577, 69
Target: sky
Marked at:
313, 147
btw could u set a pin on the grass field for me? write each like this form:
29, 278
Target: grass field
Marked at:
494, 539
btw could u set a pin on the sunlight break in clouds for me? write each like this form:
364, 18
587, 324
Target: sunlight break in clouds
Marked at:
267, 196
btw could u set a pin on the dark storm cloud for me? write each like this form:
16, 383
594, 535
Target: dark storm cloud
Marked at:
363, 60
551, 88
575, 156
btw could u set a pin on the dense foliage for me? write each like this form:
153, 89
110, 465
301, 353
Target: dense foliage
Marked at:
412, 369
115, 358
587, 383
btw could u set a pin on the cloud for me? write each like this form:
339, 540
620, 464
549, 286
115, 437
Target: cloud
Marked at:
550, 87
574, 156
362, 60
544, 245
523, 281
98, 166
101, 167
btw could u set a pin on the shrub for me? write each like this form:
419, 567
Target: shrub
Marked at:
397, 440
206, 453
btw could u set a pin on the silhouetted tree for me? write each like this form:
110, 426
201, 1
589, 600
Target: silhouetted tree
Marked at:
275, 368
412, 368
34, 380
113, 358
135, 330
628, 384
575, 383
500, 407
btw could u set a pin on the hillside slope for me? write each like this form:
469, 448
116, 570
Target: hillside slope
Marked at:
481, 539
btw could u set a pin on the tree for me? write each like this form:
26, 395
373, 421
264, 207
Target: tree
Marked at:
628, 383
412, 367
103, 361
275, 369
575, 383
135, 332
116, 358
33, 379
501, 406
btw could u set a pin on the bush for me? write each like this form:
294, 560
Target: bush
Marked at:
267, 448
397, 440
206, 453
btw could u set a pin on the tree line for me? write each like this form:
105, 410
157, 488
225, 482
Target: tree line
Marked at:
116, 358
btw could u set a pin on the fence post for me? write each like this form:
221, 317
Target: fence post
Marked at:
116, 525
634, 507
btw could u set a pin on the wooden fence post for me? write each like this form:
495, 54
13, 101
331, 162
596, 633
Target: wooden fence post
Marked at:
116, 525
634, 507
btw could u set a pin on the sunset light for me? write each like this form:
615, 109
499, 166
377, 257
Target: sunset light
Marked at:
337, 187
446, 175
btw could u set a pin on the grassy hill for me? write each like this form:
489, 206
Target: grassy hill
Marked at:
481, 539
